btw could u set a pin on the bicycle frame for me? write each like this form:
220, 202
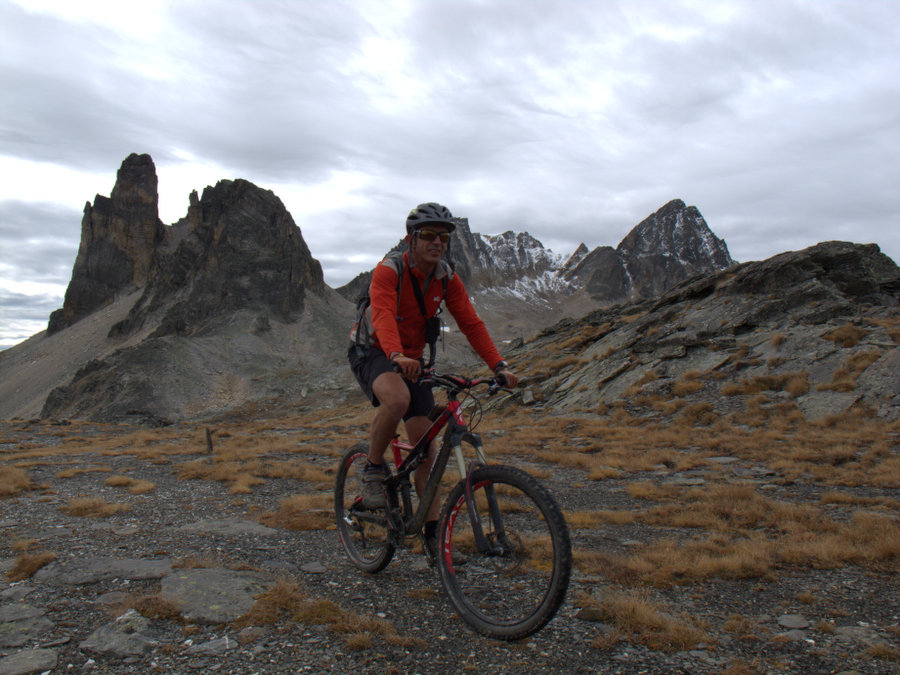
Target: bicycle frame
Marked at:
457, 432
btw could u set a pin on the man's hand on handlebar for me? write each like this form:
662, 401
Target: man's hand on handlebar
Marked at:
507, 378
408, 368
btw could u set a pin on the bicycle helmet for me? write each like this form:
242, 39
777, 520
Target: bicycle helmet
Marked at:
431, 212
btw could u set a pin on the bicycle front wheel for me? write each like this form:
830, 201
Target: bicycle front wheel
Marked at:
364, 532
505, 556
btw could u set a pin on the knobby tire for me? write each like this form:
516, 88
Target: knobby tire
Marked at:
364, 533
516, 587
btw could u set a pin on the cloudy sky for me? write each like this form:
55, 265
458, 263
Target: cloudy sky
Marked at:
570, 119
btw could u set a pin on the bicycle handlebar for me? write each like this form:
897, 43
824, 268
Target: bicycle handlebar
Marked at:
431, 378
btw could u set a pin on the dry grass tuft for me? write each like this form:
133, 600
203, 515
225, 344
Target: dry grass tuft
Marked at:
844, 378
303, 512
646, 622
77, 471
425, 593
92, 507
744, 628
27, 564
697, 414
549, 368
285, 600
847, 335
194, 563
742, 667
24, 545
882, 652
155, 608
795, 383
689, 383
590, 520
748, 535
134, 485
13, 481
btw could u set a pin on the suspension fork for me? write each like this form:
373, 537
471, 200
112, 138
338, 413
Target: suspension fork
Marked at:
481, 541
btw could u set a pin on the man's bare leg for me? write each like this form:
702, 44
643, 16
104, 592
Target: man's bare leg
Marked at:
393, 397
415, 429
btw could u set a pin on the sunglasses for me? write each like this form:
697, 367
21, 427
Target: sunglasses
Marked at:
429, 235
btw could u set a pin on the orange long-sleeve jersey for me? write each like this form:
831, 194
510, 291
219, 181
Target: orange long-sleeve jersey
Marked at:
402, 329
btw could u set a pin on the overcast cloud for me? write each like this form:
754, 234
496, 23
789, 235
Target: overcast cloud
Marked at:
572, 120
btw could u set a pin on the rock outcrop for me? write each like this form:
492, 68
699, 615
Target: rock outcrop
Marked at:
119, 238
816, 330
225, 306
237, 249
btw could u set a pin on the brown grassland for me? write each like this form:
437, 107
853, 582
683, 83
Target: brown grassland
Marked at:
821, 496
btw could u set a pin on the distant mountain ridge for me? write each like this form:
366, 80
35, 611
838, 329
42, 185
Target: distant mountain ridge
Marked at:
665, 248
227, 308
515, 279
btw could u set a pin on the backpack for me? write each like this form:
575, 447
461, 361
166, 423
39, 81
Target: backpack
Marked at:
361, 334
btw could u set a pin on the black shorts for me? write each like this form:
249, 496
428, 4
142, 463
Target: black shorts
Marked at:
372, 363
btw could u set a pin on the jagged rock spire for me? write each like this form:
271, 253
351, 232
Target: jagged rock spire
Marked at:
119, 237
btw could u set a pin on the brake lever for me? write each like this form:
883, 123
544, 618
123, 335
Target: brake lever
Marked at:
495, 387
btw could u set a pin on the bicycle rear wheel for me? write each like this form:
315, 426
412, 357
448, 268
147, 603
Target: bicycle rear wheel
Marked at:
515, 585
364, 532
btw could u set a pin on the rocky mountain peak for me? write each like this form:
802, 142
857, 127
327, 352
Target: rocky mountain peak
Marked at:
486, 261
238, 248
577, 256
119, 238
669, 246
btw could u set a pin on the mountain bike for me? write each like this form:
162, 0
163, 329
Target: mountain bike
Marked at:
504, 554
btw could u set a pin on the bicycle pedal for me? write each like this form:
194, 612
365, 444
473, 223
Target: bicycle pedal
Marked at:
353, 524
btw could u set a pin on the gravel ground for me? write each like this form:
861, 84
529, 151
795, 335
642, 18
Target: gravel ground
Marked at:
784, 634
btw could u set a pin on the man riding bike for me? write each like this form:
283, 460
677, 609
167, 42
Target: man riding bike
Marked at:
406, 294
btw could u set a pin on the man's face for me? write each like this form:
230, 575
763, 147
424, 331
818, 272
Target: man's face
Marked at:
430, 251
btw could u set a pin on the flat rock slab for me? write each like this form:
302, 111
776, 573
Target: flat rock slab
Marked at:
129, 635
21, 623
862, 634
18, 611
6, 564
213, 595
214, 647
91, 570
17, 592
229, 527
818, 405
793, 621
28, 661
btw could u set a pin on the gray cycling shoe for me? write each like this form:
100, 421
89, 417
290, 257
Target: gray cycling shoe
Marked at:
373, 496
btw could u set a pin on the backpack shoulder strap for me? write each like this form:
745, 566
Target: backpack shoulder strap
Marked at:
395, 261
361, 333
